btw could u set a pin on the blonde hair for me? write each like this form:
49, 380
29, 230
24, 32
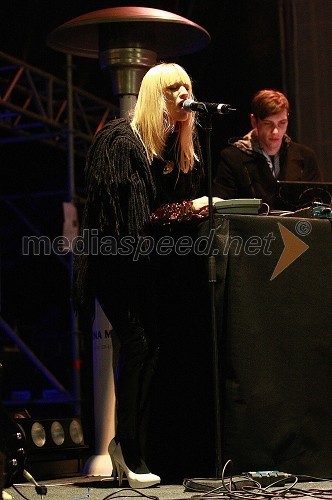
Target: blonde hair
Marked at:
150, 120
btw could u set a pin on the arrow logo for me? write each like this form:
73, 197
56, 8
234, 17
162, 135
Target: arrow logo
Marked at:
294, 247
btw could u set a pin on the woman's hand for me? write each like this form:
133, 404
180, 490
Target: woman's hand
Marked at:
202, 202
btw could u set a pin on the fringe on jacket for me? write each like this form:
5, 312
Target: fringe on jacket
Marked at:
120, 192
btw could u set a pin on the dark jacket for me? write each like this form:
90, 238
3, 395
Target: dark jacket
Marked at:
244, 172
122, 192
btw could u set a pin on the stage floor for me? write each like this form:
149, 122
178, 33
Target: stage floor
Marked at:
94, 489
80, 488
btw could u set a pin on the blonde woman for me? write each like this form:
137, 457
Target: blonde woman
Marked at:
140, 171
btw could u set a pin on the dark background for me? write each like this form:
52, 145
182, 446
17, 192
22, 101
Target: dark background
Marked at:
254, 44
244, 54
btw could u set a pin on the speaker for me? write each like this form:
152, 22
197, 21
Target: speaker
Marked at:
11, 445
12, 448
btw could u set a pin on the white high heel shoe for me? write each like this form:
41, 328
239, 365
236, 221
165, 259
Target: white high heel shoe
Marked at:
135, 481
111, 450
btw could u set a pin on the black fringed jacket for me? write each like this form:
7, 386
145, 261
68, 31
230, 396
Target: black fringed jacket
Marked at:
123, 190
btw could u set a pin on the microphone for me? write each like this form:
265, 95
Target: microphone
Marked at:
206, 107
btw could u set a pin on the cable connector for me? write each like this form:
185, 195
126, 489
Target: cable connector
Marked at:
267, 477
40, 489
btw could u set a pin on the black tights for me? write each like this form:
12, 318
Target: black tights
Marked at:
125, 291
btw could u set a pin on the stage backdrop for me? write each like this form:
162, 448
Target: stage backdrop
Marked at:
305, 27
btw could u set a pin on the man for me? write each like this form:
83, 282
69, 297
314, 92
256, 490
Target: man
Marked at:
250, 166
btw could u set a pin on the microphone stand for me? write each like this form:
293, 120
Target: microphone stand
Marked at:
212, 281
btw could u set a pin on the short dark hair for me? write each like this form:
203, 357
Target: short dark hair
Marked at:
268, 102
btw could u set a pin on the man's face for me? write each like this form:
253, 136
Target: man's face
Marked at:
270, 131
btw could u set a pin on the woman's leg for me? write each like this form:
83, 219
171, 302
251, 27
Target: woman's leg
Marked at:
125, 291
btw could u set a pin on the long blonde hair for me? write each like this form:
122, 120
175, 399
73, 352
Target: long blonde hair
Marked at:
150, 120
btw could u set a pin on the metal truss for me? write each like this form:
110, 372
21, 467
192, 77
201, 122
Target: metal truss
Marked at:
37, 106
34, 105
